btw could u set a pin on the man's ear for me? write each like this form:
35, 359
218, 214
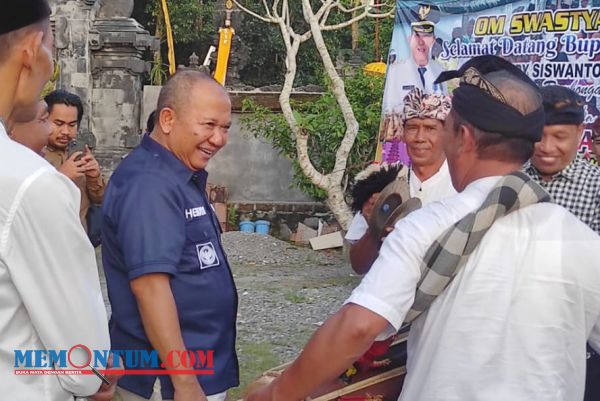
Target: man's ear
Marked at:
466, 138
580, 129
166, 118
30, 46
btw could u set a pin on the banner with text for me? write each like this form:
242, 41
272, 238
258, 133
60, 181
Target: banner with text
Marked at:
554, 42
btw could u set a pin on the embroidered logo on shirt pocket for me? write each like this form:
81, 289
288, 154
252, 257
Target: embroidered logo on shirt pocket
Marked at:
207, 255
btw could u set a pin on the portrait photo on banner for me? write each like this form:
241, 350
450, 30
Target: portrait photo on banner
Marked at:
554, 42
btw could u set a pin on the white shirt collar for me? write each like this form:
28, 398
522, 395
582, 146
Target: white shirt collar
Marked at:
417, 184
484, 182
3, 132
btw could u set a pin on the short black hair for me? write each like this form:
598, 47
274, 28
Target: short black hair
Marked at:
151, 121
61, 96
494, 146
375, 182
562, 105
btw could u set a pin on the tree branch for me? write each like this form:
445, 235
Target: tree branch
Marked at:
338, 90
275, 8
269, 20
324, 16
266, 7
326, 7
355, 19
305, 36
365, 5
343, 9
299, 134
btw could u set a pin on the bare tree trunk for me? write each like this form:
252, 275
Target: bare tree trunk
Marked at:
333, 186
292, 45
278, 13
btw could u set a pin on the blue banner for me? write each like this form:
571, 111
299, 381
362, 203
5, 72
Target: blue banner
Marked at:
554, 42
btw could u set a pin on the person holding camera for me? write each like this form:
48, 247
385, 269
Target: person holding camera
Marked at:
72, 158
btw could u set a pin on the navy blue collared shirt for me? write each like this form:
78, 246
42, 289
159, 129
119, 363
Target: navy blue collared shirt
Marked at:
157, 219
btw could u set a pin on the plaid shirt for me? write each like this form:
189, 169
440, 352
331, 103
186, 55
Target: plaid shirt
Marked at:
576, 188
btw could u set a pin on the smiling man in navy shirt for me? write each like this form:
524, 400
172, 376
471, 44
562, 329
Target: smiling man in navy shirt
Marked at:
169, 282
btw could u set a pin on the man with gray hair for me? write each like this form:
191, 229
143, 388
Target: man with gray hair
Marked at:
501, 286
169, 281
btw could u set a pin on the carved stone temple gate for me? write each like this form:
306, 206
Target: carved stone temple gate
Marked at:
99, 49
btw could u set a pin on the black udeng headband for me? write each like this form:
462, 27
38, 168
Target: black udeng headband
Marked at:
21, 13
480, 103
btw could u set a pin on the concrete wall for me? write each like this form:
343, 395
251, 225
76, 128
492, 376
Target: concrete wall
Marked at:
250, 168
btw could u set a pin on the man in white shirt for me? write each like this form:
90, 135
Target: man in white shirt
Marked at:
428, 176
513, 322
49, 289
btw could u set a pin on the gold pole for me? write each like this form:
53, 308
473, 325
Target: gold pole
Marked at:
225, 37
170, 44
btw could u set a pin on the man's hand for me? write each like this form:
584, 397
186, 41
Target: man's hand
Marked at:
91, 166
386, 231
367, 208
263, 393
161, 323
189, 390
107, 392
73, 168
261, 389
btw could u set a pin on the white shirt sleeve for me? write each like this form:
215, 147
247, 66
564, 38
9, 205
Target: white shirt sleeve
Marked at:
388, 289
53, 267
358, 228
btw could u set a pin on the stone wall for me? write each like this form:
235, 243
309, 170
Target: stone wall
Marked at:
252, 170
99, 50
72, 21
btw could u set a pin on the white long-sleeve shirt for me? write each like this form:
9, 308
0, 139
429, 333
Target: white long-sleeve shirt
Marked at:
50, 296
513, 323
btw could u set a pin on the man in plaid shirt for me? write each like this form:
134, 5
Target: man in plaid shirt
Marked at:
573, 182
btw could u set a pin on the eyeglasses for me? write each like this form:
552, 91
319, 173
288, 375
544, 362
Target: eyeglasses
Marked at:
474, 77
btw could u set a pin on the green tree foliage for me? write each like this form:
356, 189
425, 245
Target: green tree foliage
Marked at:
191, 20
323, 120
266, 63
193, 27
367, 37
